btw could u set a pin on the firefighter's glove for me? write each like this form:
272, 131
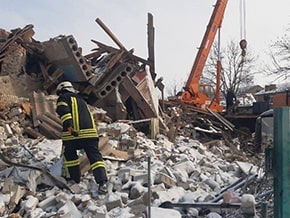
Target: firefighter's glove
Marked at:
72, 132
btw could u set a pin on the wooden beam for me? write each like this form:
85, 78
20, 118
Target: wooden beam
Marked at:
151, 54
138, 98
109, 32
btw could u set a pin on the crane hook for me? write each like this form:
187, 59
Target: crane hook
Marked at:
243, 46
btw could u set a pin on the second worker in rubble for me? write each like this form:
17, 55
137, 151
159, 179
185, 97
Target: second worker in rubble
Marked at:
79, 132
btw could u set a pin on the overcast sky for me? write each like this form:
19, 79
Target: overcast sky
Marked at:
179, 26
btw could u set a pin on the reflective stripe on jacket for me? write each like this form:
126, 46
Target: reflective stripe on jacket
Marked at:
74, 112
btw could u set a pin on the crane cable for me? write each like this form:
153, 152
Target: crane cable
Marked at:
243, 19
243, 42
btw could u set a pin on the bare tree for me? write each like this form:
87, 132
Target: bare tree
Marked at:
237, 69
280, 56
174, 88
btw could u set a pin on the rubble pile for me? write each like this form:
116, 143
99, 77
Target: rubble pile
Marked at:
174, 160
182, 172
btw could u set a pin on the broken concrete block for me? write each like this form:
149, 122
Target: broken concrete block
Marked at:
100, 212
187, 166
85, 200
48, 202
169, 194
30, 203
76, 188
124, 197
184, 183
137, 190
113, 200
69, 210
212, 184
124, 174
116, 182
62, 196
143, 178
165, 179
37, 212
162, 212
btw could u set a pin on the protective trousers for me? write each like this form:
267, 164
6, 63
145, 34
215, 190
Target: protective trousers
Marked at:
72, 162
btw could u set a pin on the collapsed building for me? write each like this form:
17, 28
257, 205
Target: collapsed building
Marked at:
119, 87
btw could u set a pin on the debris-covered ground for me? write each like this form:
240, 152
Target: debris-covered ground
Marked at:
165, 159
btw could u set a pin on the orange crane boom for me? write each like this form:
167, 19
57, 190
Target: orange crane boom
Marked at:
194, 92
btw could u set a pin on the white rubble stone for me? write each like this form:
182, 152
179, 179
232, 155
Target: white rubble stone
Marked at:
164, 144
203, 177
158, 188
186, 184
227, 177
116, 182
213, 215
48, 202
100, 212
51, 192
195, 155
76, 189
218, 179
187, 166
62, 196
137, 190
145, 143
156, 165
69, 210
248, 167
36, 213
85, 198
113, 200
167, 180
170, 194
213, 185
142, 178
124, 197
197, 196
30, 203
165, 155
5, 197
76, 199
157, 212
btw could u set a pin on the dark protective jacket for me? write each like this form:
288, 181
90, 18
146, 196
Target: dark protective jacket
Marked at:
74, 112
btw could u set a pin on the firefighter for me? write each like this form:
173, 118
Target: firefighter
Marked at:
79, 132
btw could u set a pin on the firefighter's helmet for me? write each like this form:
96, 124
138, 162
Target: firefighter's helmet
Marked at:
66, 85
